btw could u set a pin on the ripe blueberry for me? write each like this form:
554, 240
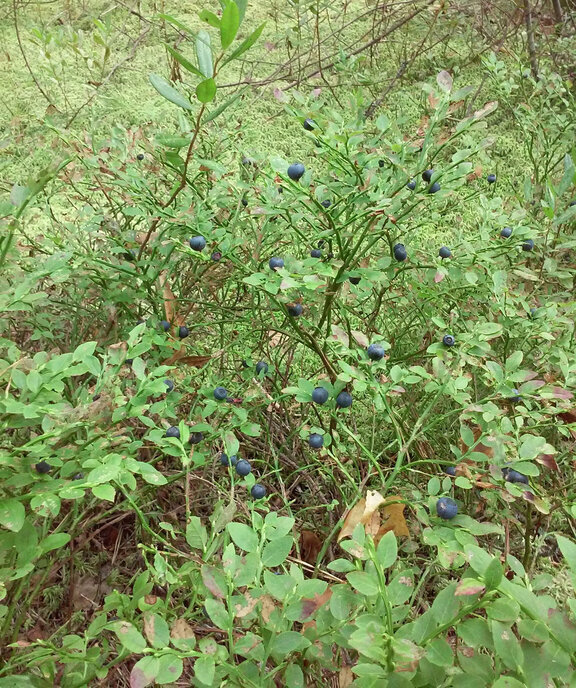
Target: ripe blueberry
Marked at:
572, 204
78, 476
411, 184
173, 431
183, 331
506, 232
165, 325
295, 309
491, 178
43, 467
261, 366
320, 395
434, 188
448, 340
96, 397
258, 491
326, 203
515, 398
244, 201
316, 441
450, 470
381, 163
400, 252
196, 437
445, 252
427, 175
243, 467
197, 243
275, 262
169, 385
227, 461
512, 476
533, 313
375, 352
316, 253
344, 399
296, 171
216, 256
355, 280
220, 393
446, 508
308, 124
140, 156
528, 245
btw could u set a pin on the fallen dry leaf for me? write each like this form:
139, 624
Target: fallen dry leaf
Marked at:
345, 677
393, 516
181, 358
310, 546
365, 512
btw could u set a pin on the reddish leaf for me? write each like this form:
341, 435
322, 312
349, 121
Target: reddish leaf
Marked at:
210, 576
469, 586
439, 276
311, 606
548, 461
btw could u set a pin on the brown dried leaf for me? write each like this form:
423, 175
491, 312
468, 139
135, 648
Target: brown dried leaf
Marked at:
242, 610
360, 338
547, 460
181, 358
345, 677
363, 512
209, 577
182, 631
310, 546
311, 606
268, 607
393, 516
169, 301
487, 109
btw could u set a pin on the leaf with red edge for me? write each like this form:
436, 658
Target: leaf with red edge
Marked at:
311, 606
548, 461
469, 586
439, 276
214, 580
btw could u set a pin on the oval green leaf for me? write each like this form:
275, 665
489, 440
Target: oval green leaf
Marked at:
229, 24
206, 90
169, 92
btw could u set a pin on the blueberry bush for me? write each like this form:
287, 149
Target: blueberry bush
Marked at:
278, 422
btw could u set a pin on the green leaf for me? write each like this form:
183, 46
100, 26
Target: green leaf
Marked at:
204, 669
276, 551
170, 670
54, 541
183, 61
242, 4
196, 535
176, 22
220, 109
363, 582
156, 630
144, 672
243, 536
507, 646
129, 637
209, 18
106, 492
293, 676
245, 45
493, 574
204, 54
12, 514
206, 90
85, 349
166, 90
229, 24
217, 612
568, 549
387, 550
287, 642
173, 141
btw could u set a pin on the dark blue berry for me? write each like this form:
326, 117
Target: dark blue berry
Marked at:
173, 431
275, 262
446, 508
354, 280
228, 461
43, 467
528, 245
316, 253
434, 188
196, 437
220, 393
308, 124
261, 367
316, 441
140, 156
411, 185
183, 331
243, 467
400, 252
450, 470
326, 203
197, 243
344, 399
169, 385
444, 252
320, 395
506, 232
296, 171
381, 163
165, 325
448, 340
491, 178
375, 352
427, 175
295, 309
258, 491
216, 256
512, 476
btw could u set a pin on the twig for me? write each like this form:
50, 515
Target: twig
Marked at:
530, 38
17, 30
